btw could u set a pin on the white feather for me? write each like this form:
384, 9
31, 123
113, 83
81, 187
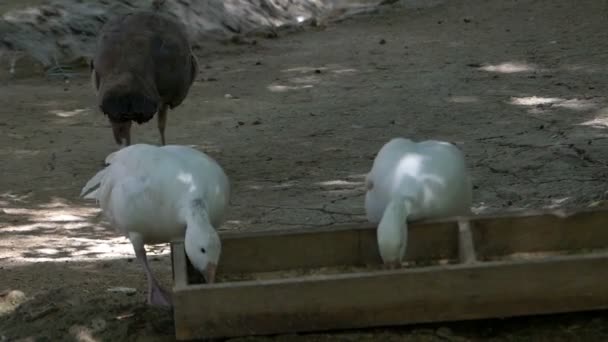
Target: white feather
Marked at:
424, 180
146, 189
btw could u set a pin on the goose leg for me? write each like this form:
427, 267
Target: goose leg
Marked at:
162, 121
156, 294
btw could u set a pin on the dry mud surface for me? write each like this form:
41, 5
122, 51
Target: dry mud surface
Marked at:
520, 86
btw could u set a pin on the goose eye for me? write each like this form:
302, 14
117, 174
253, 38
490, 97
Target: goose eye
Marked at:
203, 250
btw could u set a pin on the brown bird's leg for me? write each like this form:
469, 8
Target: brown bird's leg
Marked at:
162, 121
127, 134
122, 130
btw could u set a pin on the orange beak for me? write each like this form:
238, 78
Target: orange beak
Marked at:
210, 273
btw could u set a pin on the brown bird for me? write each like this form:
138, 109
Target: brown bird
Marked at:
143, 65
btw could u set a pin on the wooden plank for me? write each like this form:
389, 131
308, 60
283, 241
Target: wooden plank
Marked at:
179, 263
268, 251
493, 236
466, 246
551, 231
385, 298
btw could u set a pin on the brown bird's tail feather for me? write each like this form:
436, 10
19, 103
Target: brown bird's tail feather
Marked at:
129, 107
158, 4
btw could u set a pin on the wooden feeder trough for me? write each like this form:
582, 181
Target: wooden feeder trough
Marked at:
315, 279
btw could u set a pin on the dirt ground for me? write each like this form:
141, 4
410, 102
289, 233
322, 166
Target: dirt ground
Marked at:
520, 86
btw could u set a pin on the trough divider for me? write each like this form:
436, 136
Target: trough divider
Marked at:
466, 245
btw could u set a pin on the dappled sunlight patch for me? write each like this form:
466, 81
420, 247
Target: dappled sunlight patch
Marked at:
83, 334
589, 69
599, 121
54, 215
577, 104
479, 208
74, 249
207, 148
350, 186
262, 185
339, 182
557, 203
573, 104
333, 68
534, 100
52, 105
56, 202
462, 99
310, 76
304, 69
10, 301
231, 225
10, 197
596, 122
281, 88
68, 113
20, 153
360, 176
255, 187
284, 185
58, 231
344, 71
35, 227
306, 79
508, 67
346, 191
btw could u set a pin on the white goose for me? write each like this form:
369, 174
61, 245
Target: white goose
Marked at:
155, 194
411, 181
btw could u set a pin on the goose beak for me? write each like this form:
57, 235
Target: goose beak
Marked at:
210, 273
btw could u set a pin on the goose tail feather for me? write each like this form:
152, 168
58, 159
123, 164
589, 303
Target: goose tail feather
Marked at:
90, 190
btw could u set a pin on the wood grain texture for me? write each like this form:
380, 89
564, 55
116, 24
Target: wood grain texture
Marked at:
496, 237
332, 246
466, 246
179, 262
385, 298
475, 288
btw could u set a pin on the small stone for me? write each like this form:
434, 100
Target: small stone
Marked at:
444, 332
129, 291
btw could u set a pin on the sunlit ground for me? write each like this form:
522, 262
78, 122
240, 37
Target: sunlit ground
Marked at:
296, 122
